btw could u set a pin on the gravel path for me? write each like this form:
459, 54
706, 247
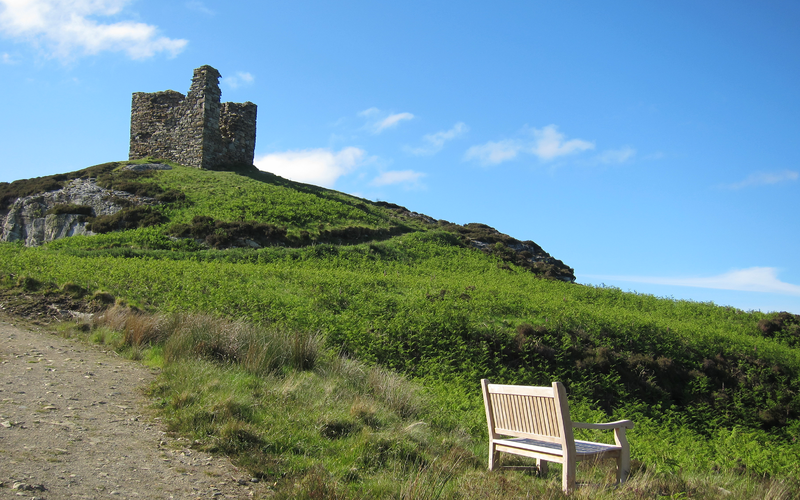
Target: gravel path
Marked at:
73, 424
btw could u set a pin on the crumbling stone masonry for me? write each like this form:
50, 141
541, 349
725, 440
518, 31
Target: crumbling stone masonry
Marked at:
195, 130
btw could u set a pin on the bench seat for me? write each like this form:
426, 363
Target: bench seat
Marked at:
586, 449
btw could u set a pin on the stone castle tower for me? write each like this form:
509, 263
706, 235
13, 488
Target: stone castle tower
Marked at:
195, 130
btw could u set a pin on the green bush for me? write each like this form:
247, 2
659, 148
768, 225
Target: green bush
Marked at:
71, 209
127, 218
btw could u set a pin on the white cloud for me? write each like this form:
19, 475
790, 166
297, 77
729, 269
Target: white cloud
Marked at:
240, 79
550, 143
493, 153
200, 7
616, 155
369, 112
380, 121
392, 120
765, 178
313, 166
435, 142
409, 177
547, 144
658, 155
65, 27
754, 279
5, 58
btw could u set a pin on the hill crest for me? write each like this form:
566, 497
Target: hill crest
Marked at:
128, 195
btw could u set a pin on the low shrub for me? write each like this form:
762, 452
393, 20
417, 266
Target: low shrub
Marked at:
221, 234
127, 218
29, 284
103, 298
783, 326
71, 209
73, 290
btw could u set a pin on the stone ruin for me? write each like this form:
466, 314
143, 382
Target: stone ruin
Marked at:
195, 130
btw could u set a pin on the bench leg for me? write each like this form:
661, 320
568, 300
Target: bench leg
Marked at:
493, 456
624, 460
568, 476
542, 466
623, 468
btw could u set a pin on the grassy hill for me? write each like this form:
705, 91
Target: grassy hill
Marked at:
335, 345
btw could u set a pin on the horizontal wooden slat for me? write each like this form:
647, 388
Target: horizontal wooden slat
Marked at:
522, 390
532, 454
527, 435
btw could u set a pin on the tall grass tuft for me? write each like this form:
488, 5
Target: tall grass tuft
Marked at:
316, 484
258, 349
305, 349
263, 354
430, 479
261, 350
397, 392
138, 328
204, 336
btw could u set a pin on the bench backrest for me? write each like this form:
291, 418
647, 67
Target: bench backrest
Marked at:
540, 413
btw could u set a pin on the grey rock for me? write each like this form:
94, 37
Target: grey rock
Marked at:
20, 486
146, 166
28, 221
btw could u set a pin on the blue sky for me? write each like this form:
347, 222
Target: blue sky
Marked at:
652, 146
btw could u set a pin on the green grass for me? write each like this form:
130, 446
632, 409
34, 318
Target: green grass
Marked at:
230, 197
335, 427
710, 388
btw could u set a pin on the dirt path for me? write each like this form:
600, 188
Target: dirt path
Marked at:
73, 425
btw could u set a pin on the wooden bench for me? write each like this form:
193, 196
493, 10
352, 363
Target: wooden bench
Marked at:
538, 420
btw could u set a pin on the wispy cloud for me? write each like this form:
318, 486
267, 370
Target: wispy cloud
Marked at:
616, 155
378, 121
765, 178
240, 79
435, 142
65, 28
6, 58
200, 7
494, 152
314, 166
546, 144
407, 177
550, 143
754, 279
658, 155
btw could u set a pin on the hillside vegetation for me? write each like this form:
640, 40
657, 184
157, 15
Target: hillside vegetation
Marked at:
336, 345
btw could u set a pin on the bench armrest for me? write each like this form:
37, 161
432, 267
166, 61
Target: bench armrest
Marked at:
619, 433
626, 424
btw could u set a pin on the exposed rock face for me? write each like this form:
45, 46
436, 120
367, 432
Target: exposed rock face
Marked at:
28, 220
534, 255
486, 238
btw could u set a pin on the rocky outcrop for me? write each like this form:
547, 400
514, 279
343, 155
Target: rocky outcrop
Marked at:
528, 254
522, 253
28, 219
489, 240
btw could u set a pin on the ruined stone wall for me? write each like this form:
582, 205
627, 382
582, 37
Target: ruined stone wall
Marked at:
194, 130
237, 124
153, 119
